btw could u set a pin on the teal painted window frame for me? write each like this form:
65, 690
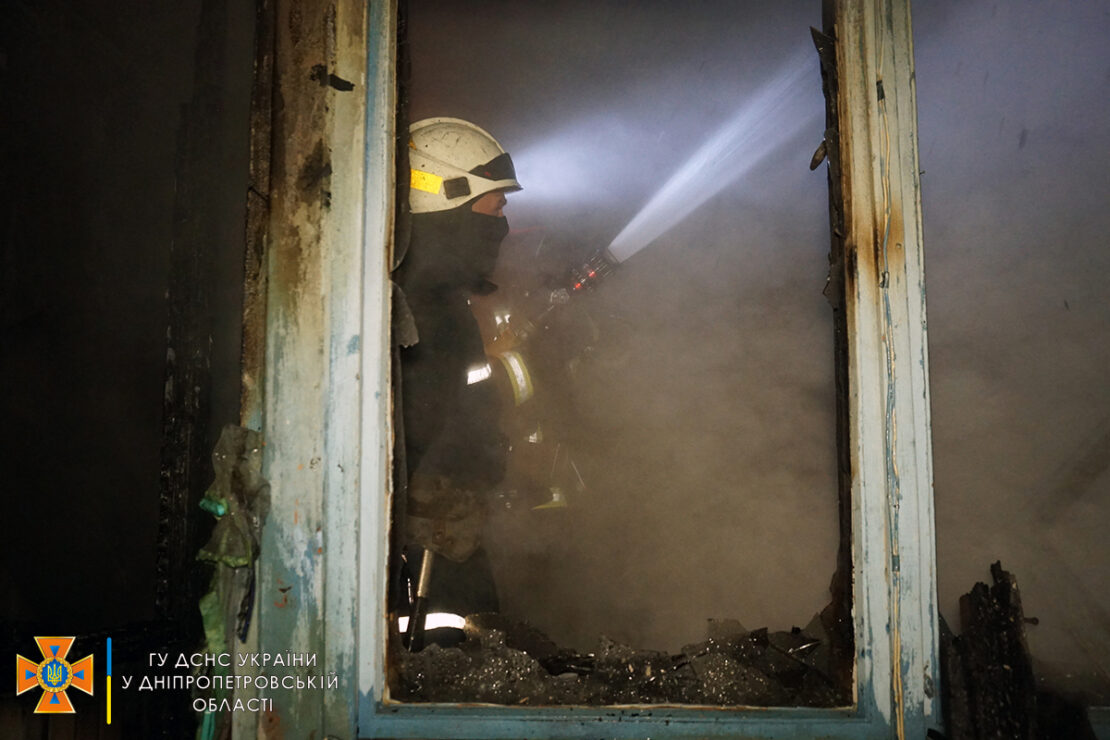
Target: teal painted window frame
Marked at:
894, 592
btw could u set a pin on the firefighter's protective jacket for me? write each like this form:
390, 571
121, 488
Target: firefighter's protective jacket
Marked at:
455, 451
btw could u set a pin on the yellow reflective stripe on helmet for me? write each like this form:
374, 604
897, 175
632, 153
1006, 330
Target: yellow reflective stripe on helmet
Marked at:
519, 376
426, 181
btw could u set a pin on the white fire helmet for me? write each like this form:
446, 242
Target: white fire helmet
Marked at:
452, 162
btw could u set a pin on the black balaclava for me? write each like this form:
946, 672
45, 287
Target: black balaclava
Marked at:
457, 248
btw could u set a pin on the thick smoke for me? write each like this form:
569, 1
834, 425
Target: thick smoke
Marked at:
701, 418
705, 427
1014, 111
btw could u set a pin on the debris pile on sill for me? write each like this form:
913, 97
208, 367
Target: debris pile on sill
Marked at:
512, 663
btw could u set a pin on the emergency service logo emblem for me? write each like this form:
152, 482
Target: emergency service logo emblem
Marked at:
54, 675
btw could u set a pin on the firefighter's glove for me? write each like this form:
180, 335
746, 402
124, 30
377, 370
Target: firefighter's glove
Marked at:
444, 518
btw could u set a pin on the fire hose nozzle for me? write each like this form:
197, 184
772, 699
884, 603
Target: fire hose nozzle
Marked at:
587, 275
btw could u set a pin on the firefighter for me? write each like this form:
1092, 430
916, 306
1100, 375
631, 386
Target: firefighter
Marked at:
455, 453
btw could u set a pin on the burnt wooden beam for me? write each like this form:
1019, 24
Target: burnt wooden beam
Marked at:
837, 617
990, 687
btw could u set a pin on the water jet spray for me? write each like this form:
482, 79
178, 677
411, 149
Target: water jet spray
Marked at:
777, 111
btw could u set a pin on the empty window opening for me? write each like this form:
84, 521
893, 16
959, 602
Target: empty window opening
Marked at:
622, 417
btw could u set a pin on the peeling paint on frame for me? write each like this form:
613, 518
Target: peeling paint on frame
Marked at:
325, 373
310, 402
